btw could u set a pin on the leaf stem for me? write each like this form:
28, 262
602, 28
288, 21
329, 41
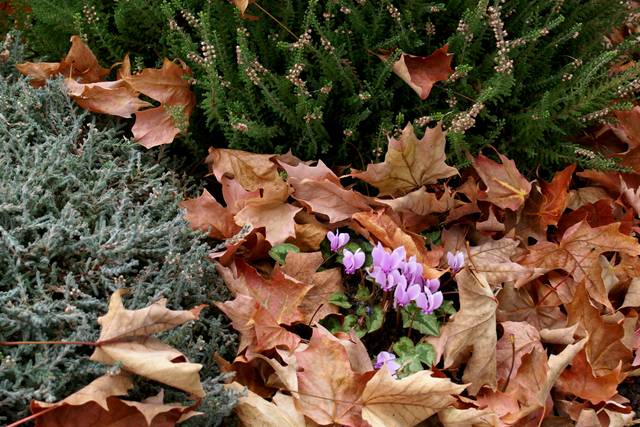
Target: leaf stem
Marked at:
276, 19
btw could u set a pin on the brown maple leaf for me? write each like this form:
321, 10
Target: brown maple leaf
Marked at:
253, 410
409, 163
518, 339
275, 216
388, 402
206, 214
578, 253
580, 381
80, 64
125, 337
329, 391
628, 129
470, 336
115, 98
97, 405
506, 187
494, 260
422, 72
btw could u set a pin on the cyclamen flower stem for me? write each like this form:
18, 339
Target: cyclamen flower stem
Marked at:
398, 319
413, 316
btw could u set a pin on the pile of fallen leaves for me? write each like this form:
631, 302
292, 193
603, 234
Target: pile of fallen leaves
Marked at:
168, 86
542, 317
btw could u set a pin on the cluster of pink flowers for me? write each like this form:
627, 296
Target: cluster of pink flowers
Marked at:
352, 261
392, 271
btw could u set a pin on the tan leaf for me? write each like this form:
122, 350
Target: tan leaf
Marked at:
166, 85
315, 305
114, 98
493, 259
388, 402
470, 336
124, 337
328, 198
632, 298
453, 417
252, 171
559, 336
409, 163
329, 389
234, 195
422, 72
96, 405
206, 214
253, 410
518, 304
39, 72
578, 253
241, 311
518, 339
275, 216
506, 187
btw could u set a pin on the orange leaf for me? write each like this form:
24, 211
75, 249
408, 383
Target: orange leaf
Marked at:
275, 216
114, 98
206, 214
580, 381
153, 127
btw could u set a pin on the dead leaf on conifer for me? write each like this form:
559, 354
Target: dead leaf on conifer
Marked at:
115, 98
125, 337
422, 72
409, 163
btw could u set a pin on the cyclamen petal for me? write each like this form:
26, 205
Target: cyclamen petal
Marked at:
432, 284
377, 254
352, 261
456, 262
388, 359
337, 240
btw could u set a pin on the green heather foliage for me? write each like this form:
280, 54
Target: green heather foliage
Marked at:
83, 212
312, 82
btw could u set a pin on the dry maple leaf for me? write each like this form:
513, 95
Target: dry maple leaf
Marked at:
422, 72
275, 216
580, 381
409, 163
329, 390
518, 339
97, 405
454, 417
629, 127
604, 348
506, 187
206, 214
470, 336
252, 171
578, 253
80, 64
493, 259
389, 402
253, 410
125, 337
518, 305
115, 98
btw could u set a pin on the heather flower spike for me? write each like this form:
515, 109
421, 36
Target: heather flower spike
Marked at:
352, 260
337, 240
456, 262
389, 359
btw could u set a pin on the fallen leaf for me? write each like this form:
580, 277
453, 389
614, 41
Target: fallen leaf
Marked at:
470, 335
206, 214
154, 126
114, 98
389, 402
422, 72
578, 253
253, 410
506, 187
409, 163
628, 129
329, 390
125, 338
453, 417
632, 298
580, 381
518, 339
275, 216
518, 304
493, 259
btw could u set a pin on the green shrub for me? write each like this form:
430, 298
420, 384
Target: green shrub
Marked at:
305, 75
83, 212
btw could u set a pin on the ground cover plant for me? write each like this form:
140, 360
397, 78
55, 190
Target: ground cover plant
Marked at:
85, 213
333, 79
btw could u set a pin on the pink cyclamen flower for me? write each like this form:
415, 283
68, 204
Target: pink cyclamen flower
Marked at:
337, 240
429, 301
389, 359
456, 262
432, 284
412, 270
405, 293
352, 260
385, 266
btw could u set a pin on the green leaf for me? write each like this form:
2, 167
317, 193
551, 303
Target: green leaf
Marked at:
363, 293
332, 323
446, 309
375, 319
339, 299
411, 357
279, 252
426, 324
